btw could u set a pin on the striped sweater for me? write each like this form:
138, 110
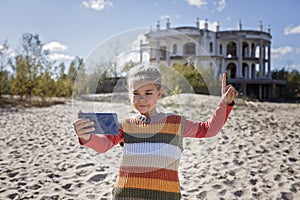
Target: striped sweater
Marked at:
151, 153
149, 167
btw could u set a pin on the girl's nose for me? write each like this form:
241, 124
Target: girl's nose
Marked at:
141, 98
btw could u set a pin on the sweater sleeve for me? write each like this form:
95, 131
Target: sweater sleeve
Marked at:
102, 143
211, 127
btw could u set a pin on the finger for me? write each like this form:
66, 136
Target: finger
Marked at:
229, 86
84, 125
224, 83
227, 91
85, 131
230, 91
80, 121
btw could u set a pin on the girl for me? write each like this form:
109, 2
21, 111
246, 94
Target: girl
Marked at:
152, 140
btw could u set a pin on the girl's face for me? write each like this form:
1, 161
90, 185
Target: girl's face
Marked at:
144, 96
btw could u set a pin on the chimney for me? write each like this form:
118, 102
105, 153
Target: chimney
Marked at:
206, 25
218, 26
240, 25
168, 23
197, 23
260, 27
269, 29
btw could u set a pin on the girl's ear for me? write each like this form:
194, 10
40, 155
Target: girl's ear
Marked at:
160, 93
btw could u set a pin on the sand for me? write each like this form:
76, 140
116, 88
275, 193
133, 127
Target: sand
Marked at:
255, 156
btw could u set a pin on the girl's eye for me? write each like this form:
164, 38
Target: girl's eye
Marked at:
148, 93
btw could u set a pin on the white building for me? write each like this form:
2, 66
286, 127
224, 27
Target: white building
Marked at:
244, 54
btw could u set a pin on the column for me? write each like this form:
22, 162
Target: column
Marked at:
141, 51
250, 71
263, 60
269, 61
273, 90
260, 91
168, 49
157, 56
260, 59
239, 69
246, 72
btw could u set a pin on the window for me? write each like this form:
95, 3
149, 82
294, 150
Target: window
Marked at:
163, 52
211, 47
231, 49
175, 49
189, 48
231, 71
221, 49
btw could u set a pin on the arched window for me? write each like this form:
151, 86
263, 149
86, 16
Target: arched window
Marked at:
267, 52
252, 50
189, 49
257, 52
245, 50
231, 71
211, 49
221, 49
174, 49
231, 49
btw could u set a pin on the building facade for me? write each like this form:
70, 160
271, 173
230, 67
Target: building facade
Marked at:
244, 54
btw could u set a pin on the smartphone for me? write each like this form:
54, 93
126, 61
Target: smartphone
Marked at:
104, 123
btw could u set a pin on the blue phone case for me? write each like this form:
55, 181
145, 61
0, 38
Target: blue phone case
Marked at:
104, 123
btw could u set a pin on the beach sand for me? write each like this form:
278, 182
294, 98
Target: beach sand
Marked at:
255, 156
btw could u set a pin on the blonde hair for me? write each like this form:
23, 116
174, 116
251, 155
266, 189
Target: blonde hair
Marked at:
144, 72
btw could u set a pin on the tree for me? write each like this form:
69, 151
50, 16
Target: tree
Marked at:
63, 83
193, 77
78, 76
292, 78
30, 66
4, 74
20, 79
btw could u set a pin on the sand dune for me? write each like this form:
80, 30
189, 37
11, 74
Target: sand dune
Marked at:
256, 156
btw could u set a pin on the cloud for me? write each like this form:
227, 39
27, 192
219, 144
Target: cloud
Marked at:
197, 3
97, 4
211, 25
292, 30
221, 5
280, 52
55, 46
59, 57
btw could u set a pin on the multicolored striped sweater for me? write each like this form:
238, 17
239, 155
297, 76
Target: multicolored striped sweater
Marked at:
149, 168
151, 153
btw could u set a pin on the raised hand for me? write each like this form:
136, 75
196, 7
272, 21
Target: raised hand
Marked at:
228, 91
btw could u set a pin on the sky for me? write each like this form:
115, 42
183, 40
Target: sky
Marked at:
70, 28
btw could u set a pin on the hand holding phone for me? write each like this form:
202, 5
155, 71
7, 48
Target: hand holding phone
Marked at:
104, 123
